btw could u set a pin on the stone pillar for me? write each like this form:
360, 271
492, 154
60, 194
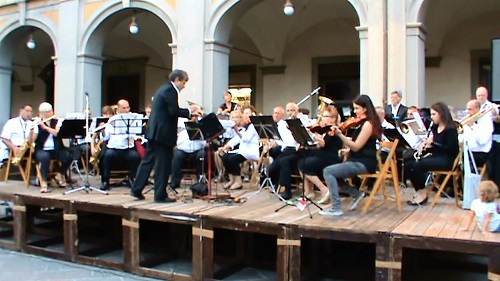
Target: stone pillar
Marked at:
396, 47
189, 51
90, 76
363, 59
5, 93
415, 64
66, 93
216, 74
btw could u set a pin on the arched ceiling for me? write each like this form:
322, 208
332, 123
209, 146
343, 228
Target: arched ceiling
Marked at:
441, 16
271, 30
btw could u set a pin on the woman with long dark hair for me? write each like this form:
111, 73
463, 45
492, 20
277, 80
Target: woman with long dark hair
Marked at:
362, 159
443, 144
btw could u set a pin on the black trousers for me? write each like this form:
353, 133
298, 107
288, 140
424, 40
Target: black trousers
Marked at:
282, 168
494, 163
158, 156
112, 156
417, 171
231, 162
44, 157
178, 161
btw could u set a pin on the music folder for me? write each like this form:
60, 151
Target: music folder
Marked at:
72, 128
265, 127
193, 130
300, 134
211, 127
393, 134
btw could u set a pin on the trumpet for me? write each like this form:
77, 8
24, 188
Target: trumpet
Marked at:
474, 117
418, 154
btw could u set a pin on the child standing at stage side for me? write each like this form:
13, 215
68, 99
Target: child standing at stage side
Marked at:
485, 208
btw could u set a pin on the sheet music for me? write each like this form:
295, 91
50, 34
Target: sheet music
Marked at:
126, 123
228, 125
420, 123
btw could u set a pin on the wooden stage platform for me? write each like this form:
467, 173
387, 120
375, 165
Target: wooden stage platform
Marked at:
199, 240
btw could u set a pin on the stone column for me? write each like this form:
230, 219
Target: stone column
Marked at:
363, 59
66, 93
188, 51
5, 93
396, 47
215, 74
415, 64
89, 81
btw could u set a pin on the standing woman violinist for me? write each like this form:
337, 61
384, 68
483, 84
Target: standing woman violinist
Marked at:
363, 152
248, 140
312, 165
443, 144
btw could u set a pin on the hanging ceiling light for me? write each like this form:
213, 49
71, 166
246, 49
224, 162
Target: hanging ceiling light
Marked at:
288, 8
133, 28
31, 44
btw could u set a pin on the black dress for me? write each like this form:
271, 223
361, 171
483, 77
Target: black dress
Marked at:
316, 160
444, 151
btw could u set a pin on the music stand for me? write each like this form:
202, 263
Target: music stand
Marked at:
194, 133
211, 129
86, 186
73, 129
301, 136
267, 129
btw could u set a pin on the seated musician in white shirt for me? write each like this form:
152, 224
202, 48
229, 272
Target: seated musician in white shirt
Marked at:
16, 131
248, 140
186, 148
477, 135
482, 97
120, 147
280, 171
48, 146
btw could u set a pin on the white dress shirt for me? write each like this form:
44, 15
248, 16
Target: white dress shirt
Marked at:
492, 113
287, 139
17, 130
394, 109
120, 130
479, 136
183, 141
249, 143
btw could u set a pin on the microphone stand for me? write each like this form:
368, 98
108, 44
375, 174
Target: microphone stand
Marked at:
86, 186
315, 91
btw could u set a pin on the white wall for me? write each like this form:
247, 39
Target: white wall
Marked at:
451, 82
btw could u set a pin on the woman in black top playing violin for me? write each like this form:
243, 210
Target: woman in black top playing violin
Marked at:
363, 152
313, 163
443, 144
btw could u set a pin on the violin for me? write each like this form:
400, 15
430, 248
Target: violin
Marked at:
318, 129
351, 123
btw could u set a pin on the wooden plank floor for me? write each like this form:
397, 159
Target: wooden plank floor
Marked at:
443, 221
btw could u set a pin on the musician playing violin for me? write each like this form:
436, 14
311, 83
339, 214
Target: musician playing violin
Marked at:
248, 140
312, 165
443, 144
362, 149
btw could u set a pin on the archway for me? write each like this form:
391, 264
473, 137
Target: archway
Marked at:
259, 35
26, 71
118, 64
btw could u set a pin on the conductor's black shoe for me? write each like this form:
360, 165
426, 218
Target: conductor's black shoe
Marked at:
105, 186
136, 196
166, 200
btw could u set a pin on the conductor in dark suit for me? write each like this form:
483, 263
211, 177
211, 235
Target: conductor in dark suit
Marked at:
395, 111
161, 133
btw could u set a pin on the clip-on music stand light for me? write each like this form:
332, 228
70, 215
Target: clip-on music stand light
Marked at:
301, 136
73, 128
267, 129
211, 129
